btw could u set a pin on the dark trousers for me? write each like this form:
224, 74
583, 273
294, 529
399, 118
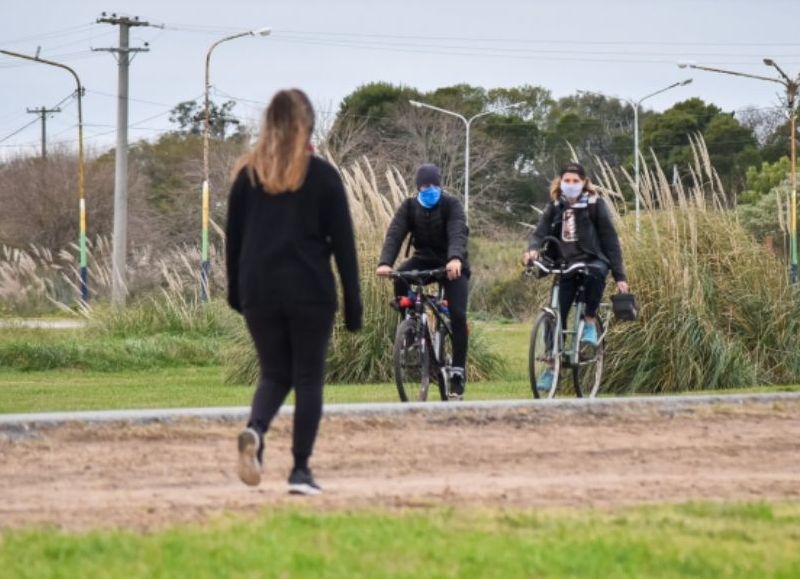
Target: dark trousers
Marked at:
457, 294
292, 343
594, 284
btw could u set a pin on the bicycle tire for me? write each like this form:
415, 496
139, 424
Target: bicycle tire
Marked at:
425, 364
542, 353
445, 356
588, 374
406, 360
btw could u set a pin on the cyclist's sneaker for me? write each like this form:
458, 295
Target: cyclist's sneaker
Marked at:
457, 383
589, 336
545, 381
301, 482
251, 446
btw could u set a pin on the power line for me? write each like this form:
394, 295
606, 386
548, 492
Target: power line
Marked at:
431, 50
571, 42
22, 128
53, 34
532, 51
19, 130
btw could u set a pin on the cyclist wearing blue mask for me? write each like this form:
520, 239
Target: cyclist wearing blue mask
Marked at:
580, 219
439, 233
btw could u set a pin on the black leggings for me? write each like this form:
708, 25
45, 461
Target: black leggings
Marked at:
292, 342
594, 284
457, 293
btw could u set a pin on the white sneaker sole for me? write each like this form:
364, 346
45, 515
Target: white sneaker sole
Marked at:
304, 489
249, 469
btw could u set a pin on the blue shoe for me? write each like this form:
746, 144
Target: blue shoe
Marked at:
545, 381
589, 336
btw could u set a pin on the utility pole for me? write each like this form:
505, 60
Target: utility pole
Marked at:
43, 112
120, 237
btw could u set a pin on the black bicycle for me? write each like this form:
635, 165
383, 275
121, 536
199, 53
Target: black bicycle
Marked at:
554, 347
423, 345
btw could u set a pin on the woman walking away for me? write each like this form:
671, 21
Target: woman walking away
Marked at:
287, 215
582, 223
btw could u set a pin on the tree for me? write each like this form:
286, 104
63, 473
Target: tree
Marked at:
190, 118
760, 180
732, 146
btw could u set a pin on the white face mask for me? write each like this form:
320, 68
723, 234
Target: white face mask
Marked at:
571, 190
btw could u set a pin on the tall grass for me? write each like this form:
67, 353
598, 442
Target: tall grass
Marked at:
717, 309
37, 280
366, 355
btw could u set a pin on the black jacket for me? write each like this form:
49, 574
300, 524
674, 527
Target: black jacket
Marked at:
596, 233
279, 247
438, 234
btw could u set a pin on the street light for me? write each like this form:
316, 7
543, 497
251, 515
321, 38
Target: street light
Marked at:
467, 124
636, 104
84, 272
206, 264
791, 87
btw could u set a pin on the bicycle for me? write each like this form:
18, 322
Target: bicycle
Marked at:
552, 346
423, 345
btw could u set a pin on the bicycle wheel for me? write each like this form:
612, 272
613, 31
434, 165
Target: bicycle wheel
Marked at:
407, 361
444, 354
588, 374
543, 353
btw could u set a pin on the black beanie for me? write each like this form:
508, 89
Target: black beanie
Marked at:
429, 174
576, 168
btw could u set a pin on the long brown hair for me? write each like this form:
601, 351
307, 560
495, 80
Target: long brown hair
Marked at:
555, 188
280, 157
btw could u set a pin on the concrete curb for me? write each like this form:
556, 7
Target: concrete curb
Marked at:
14, 422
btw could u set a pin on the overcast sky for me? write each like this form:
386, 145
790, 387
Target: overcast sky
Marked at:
329, 47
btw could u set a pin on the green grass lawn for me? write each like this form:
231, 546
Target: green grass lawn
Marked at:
178, 387
698, 540
184, 385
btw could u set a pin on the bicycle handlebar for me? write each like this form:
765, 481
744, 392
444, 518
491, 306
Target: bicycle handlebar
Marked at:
419, 274
570, 269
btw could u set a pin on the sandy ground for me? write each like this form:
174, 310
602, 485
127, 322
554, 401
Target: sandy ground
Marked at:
147, 476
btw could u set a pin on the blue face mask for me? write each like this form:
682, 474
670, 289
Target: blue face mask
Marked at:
429, 197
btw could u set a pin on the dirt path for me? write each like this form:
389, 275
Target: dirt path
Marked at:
146, 476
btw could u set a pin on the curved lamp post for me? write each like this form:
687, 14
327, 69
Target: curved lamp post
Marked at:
84, 276
206, 264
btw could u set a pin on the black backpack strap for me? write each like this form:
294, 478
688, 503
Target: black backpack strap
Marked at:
410, 242
591, 204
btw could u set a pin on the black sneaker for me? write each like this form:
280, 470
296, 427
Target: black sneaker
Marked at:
457, 383
301, 482
250, 453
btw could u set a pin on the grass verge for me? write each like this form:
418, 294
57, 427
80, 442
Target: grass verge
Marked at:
697, 539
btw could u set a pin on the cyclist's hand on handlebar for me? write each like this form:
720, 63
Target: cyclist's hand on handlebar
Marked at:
383, 271
622, 287
529, 257
454, 269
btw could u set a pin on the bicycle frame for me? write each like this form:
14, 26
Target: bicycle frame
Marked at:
424, 303
421, 312
571, 357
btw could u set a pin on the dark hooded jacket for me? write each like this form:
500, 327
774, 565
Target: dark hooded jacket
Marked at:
438, 234
596, 234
